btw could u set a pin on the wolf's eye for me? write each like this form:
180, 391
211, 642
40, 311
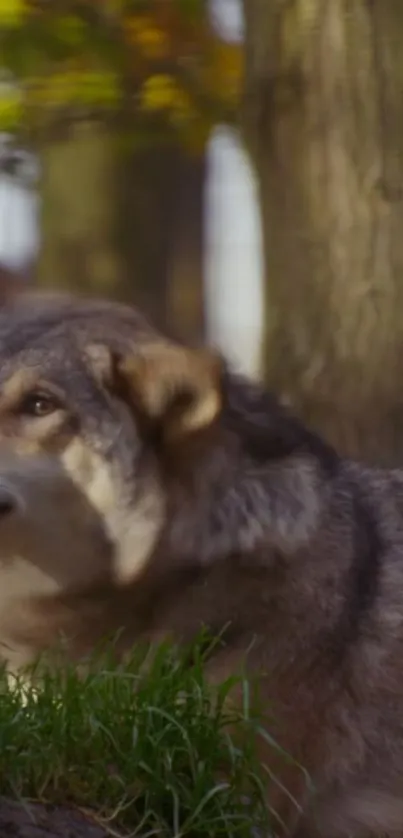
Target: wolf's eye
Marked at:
38, 404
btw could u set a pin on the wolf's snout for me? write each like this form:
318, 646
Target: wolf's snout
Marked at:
10, 502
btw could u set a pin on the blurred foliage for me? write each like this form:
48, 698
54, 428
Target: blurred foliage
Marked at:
155, 64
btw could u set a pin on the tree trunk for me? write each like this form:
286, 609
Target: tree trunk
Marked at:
123, 223
79, 212
185, 300
324, 124
148, 182
161, 194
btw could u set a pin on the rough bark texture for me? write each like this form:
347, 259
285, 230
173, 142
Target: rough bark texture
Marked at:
160, 211
79, 205
324, 123
185, 300
122, 222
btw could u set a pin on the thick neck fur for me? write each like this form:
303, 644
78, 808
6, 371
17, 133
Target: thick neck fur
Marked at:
297, 553
253, 482
276, 540
266, 515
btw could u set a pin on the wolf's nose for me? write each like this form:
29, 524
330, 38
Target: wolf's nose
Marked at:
9, 501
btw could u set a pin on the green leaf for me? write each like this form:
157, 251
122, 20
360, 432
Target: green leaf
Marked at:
70, 30
192, 9
99, 88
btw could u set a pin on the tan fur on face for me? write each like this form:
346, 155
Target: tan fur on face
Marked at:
54, 540
22, 382
18, 383
100, 361
134, 532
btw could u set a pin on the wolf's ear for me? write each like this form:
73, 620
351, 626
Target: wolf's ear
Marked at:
176, 389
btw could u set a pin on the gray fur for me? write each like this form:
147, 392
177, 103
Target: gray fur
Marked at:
264, 528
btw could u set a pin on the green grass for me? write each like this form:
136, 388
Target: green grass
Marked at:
148, 750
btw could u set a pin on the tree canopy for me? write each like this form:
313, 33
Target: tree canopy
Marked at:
157, 65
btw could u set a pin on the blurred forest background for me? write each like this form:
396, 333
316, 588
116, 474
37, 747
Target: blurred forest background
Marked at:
233, 166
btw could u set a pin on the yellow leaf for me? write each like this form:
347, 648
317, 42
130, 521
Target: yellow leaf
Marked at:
91, 88
150, 39
98, 88
153, 42
12, 12
11, 111
158, 92
58, 90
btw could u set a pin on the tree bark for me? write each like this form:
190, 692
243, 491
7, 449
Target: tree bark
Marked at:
123, 222
160, 211
79, 212
185, 297
324, 124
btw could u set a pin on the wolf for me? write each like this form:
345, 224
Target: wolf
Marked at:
43, 515
209, 505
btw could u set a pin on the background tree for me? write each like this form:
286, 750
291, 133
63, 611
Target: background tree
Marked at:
324, 124
118, 98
